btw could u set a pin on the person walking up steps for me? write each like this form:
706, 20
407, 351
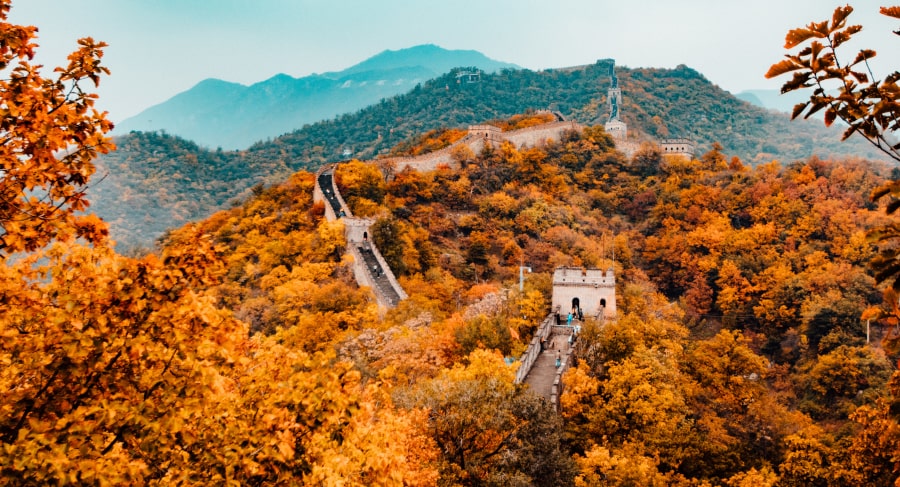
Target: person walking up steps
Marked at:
558, 362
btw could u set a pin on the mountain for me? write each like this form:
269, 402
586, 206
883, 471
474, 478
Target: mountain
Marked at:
217, 113
155, 181
737, 354
773, 99
433, 57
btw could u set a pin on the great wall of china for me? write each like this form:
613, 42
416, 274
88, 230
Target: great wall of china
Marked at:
475, 140
592, 290
369, 267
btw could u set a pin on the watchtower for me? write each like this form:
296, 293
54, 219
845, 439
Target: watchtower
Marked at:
681, 146
590, 291
615, 127
487, 133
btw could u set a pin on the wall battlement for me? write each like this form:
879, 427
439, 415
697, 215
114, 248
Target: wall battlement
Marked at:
578, 276
475, 140
369, 267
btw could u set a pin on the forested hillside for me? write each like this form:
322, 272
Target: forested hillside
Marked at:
246, 352
657, 103
243, 351
156, 181
219, 114
738, 356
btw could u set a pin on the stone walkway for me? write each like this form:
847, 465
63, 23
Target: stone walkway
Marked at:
377, 274
543, 372
326, 182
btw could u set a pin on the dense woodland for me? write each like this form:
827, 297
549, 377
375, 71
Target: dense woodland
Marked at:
246, 351
241, 351
739, 356
168, 181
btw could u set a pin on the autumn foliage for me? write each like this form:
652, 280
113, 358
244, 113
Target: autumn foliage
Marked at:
242, 351
51, 132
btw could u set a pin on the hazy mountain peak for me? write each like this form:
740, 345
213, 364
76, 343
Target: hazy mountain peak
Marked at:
217, 113
428, 55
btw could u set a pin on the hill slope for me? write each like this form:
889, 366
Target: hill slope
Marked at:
739, 293
657, 103
216, 113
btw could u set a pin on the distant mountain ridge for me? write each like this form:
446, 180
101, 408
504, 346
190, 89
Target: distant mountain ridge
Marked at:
226, 115
155, 180
773, 99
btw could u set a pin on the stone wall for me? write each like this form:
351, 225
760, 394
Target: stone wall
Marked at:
430, 161
475, 140
319, 195
539, 135
558, 386
357, 232
534, 348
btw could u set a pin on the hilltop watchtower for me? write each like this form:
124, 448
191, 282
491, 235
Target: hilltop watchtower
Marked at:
593, 291
615, 127
681, 146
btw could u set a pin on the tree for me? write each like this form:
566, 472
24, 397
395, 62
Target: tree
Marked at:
124, 371
489, 430
869, 106
50, 133
104, 359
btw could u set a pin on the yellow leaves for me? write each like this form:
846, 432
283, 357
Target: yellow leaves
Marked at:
105, 360
627, 466
330, 240
580, 391
763, 477
482, 365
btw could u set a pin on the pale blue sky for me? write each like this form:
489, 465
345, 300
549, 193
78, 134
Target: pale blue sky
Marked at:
159, 48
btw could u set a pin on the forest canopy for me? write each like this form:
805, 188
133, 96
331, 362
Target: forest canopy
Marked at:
242, 350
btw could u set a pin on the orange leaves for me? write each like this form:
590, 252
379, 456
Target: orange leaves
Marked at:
122, 371
104, 352
839, 18
85, 62
43, 190
868, 106
890, 11
796, 37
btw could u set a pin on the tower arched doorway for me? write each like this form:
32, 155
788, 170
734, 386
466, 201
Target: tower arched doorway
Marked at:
576, 309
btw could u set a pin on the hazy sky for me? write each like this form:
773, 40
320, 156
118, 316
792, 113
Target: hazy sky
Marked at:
159, 48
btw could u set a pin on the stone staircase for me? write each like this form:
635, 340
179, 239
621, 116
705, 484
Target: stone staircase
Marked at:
369, 267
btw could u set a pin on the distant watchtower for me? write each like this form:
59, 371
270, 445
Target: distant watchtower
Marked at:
681, 146
615, 127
